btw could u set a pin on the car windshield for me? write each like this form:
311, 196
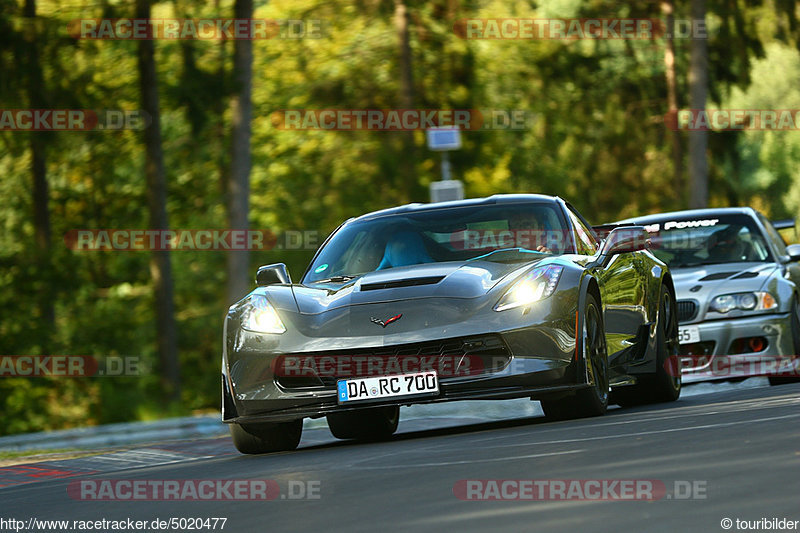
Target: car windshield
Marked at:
501, 233
713, 239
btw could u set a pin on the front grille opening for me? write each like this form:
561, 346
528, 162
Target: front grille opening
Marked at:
687, 310
749, 345
459, 357
698, 348
299, 382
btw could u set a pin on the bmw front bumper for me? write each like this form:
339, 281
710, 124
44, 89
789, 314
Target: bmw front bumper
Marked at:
725, 351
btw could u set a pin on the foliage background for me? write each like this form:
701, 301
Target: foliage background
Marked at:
598, 140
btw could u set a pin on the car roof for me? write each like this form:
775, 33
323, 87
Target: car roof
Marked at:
693, 213
470, 202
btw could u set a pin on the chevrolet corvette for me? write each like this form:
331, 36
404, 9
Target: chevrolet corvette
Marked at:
511, 296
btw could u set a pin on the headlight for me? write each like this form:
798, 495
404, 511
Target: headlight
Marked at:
746, 301
261, 317
536, 285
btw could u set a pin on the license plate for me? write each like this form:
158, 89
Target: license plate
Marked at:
689, 335
354, 390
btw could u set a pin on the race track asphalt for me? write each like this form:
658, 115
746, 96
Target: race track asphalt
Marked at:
732, 454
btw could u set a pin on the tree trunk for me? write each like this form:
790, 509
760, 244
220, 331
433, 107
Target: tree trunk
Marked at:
406, 74
239, 183
219, 114
698, 90
668, 9
38, 145
160, 266
407, 178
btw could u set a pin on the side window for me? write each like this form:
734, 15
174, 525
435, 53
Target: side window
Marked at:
585, 242
774, 236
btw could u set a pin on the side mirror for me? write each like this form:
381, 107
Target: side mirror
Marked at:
601, 231
625, 239
793, 251
272, 274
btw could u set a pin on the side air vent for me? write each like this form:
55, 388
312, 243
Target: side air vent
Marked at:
431, 280
718, 275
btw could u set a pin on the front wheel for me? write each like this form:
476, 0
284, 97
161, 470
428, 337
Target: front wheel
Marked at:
593, 400
267, 437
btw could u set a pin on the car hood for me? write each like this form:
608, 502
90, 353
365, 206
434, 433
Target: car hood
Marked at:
463, 279
705, 281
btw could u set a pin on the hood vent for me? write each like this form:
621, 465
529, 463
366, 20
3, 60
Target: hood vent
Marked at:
431, 280
745, 275
718, 275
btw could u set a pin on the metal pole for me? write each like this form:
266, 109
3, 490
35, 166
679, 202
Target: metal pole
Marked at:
445, 166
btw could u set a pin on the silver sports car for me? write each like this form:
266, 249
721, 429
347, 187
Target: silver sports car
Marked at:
737, 284
504, 297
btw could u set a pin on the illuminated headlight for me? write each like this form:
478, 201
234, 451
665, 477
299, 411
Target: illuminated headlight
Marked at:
261, 317
534, 286
746, 301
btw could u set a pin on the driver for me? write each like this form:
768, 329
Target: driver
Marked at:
725, 246
529, 232
404, 248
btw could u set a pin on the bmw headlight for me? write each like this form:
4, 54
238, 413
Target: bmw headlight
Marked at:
534, 286
261, 317
746, 301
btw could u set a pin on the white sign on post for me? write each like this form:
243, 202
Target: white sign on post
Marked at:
443, 139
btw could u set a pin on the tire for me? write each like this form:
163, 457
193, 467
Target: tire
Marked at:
665, 384
370, 425
795, 325
267, 437
591, 401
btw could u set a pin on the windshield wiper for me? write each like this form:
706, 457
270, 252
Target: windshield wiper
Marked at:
335, 279
515, 249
